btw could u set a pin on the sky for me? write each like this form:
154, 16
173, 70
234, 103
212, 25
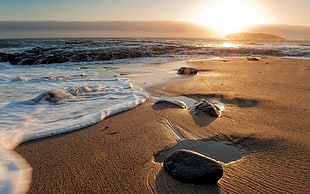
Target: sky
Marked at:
224, 16
277, 11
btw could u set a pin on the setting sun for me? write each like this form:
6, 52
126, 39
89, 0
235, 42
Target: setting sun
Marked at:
226, 16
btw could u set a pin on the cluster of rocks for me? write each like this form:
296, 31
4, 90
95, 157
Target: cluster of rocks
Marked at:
39, 55
76, 51
72, 52
189, 166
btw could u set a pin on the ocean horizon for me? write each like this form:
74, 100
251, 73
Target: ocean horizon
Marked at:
137, 29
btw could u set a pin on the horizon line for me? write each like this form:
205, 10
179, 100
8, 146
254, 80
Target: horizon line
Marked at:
141, 20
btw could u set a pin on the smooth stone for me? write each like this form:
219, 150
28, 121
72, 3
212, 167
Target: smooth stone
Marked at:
252, 59
187, 71
206, 107
54, 96
191, 167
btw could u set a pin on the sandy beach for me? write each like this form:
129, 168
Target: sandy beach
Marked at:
266, 115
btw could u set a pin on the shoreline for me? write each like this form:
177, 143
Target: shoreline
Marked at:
266, 113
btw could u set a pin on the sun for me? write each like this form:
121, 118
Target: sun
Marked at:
229, 16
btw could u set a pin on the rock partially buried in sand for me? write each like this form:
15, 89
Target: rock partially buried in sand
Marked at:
191, 167
172, 101
206, 107
187, 71
252, 59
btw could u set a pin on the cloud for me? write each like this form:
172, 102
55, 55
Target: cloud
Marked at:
33, 29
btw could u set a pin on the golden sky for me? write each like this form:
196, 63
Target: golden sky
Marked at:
225, 16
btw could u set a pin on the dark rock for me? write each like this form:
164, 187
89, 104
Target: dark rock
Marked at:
103, 56
79, 57
58, 59
29, 61
191, 167
206, 107
3, 57
14, 59
252, 59
187, 71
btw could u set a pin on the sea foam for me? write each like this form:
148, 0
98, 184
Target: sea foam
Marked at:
41, 101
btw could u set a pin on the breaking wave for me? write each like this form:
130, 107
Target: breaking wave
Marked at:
51, 51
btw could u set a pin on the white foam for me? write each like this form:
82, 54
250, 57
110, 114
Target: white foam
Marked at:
15, 173
49, 101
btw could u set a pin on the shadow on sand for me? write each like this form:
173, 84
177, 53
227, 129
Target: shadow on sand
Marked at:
240, 102
165, 183
201, 119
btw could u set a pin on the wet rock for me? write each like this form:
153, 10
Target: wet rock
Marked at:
206, 107
103, 56
79, 57
3, 57
187, 71
58, 59
28, 61
191, 167
14, 59
252, 59
53, 96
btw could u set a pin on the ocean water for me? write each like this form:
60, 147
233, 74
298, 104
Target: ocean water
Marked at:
53, 86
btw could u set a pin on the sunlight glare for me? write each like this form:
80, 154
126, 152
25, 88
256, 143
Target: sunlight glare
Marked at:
228, 45
229, 16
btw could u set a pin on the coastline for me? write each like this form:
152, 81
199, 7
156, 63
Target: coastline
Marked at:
266, 113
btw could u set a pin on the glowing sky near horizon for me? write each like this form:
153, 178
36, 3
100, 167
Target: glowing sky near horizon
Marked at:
267, 11
227, 16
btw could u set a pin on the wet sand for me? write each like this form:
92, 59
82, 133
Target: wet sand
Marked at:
266, 115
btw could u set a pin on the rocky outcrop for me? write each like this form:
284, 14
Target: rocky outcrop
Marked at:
39, 55
252, 36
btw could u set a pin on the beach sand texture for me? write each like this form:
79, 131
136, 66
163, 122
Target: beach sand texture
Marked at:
266, 115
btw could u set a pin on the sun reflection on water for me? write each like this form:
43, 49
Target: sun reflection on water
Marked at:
229, 45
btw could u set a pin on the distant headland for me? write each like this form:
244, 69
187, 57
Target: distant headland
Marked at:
252, 36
